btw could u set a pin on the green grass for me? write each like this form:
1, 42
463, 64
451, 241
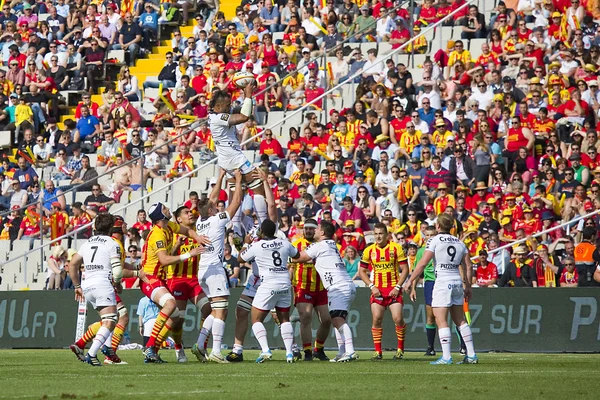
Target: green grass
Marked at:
41, 374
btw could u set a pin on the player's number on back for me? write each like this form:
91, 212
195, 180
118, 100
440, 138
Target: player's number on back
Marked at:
95, 249
277, 261
451, 252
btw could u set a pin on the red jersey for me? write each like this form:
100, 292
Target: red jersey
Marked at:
158, 239
515, 139
385, 262
82, 220
145, 226
59, 222
529, 227
305, 274
399, 34
270, 149
312, 94
487, 273
569, 277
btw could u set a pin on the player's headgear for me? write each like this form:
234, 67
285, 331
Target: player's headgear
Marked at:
268, 228
155, 212
117, 224
310, 223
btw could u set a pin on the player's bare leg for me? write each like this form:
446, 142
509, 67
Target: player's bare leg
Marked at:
377, 312
305, 311
253, 181
322, 332
398, 318
164, 321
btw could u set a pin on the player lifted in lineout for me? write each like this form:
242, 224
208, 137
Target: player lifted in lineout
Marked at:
387, 261
340, 288
271, 255
211, 274
229, 152
157, 258
101, 257
451, 288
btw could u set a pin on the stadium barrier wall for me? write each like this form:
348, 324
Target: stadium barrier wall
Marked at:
517, 319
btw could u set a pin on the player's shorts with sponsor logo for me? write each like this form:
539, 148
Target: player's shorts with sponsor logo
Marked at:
340, 296
184, 288
251, 286
213, 281
447, 293
230, 157
278, 296
385, 300
428, 291
99, 293
318, 298
153, 284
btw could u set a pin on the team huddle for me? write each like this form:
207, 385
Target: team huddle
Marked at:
183, 261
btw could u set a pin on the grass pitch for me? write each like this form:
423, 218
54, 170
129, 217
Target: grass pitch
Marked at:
50, 374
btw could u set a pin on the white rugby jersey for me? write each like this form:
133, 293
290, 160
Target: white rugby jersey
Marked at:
225, 136
271, 257
214, 228
328, 262
98, 252
448, 252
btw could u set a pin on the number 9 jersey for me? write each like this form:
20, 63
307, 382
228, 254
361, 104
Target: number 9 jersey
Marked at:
448, 253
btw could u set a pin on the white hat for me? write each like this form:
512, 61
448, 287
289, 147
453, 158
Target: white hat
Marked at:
213, 181
306, 50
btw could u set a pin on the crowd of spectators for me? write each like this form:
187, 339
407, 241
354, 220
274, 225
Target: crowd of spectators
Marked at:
504, 141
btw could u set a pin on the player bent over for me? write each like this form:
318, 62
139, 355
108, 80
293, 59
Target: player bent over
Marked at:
182, 280
271, 255
157, 258
211, 274
450, 289
340, 288
310, 295
101, 257
244, 304
229, 152
387, 261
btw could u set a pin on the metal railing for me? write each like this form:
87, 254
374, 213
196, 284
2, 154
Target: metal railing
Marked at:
380, 59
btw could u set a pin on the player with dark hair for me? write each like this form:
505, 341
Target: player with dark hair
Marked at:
387, 263
229, 152
340, 288
157, 258
310, 295
454, 270
271, 254
101, 257
182, 279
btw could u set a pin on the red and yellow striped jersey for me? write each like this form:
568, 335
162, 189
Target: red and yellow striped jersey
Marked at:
59, 222
385, 263
187, 268
158, 239
235, 42
122, 248
305, 274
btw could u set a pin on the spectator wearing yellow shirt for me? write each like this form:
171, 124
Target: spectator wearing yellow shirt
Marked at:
23, 116
369, 173
293, 87
409, 139
346, 137
441, 134
235, 39
458, 54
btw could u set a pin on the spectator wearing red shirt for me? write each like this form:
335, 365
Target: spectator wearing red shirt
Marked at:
349, 172
350, 236
222, 193
86, 100
16, 55
400, 35
270, 146
569, 277
350, 212
312, 92
142, 224
487, 272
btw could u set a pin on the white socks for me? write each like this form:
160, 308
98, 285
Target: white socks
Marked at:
446, 341
340, 341
205, 330
238, 349
260, 205
349, 344
261, 335
287, 334
467, 335
218, 329
99, 340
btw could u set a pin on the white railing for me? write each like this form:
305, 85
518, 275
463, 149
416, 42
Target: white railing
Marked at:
349, 80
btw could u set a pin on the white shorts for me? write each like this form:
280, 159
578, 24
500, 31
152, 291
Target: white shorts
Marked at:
251, 286
447, 293
231, 159
100, 295
213, 281
273, 296
341, 296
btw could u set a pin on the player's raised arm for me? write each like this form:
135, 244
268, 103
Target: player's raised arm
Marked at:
237, 196
269, 198
418, 270
200, 239
247, 108
214, 194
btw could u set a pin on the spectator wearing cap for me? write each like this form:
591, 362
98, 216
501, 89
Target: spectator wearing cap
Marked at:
383, 144
582, 173
487, 272
365, 25
326, 208
443, 199
489, 224
18, 197
349, 235
284, 208
461, 168
349, 172
519, 272
312, 91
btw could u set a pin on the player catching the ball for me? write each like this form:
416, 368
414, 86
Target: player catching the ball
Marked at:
229, 152
452, 287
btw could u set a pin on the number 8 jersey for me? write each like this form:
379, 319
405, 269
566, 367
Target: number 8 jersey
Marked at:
271, 257
448, 253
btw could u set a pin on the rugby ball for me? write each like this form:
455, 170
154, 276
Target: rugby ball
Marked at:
243, 79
